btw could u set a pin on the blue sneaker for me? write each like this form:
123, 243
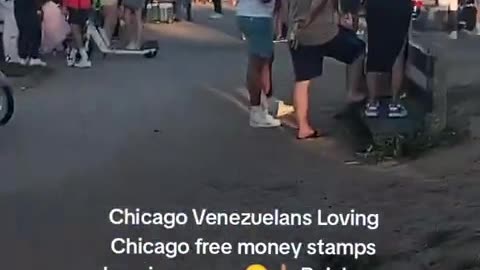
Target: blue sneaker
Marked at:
372, 109
396, 110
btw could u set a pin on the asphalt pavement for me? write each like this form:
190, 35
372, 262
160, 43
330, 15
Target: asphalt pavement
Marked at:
170, 134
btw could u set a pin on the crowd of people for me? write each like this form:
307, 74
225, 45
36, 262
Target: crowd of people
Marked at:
28, 23
319, 29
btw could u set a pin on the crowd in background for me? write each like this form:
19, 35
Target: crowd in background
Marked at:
28, 29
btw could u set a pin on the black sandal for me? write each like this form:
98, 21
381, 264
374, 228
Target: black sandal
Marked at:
312, 136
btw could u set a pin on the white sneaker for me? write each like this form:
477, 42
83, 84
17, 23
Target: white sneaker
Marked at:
259, 118
83, 63
23, 61
36, 62
216, 16
453, 35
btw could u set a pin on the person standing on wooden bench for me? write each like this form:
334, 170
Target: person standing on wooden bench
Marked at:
388, 24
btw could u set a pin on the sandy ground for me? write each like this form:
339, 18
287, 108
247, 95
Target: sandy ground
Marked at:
172, 134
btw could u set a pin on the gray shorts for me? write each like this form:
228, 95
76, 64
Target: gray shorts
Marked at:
134, 4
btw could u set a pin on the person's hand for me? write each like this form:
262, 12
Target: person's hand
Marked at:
293, 35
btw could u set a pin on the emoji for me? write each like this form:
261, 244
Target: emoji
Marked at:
256, 267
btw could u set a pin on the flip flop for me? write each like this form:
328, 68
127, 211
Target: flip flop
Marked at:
312, 136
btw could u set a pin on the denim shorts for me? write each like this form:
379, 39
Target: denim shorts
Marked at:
258, 33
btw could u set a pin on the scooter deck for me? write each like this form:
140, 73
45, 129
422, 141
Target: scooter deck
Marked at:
99, 39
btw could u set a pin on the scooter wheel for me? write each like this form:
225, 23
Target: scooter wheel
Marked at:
151, 54
6, 105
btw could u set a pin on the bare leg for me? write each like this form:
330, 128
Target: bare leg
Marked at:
111, 16
398, 71
373, 83
138, 28
267, 78
354, 80
254, 79
77, 36
129, 27
300, 99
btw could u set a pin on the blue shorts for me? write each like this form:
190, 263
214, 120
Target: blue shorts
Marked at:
259, 33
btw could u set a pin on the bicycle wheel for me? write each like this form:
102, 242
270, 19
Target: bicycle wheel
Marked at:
6, 105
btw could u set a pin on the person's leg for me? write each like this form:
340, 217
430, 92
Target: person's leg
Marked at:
355, 80
78, 18
398, 74
35, 41
217, 8
347, 48
138, 28
129, 28
111, 18
381, 51
254, 79
260, 53
276, 107
267, 78
301, 103
22, 42
189, 10
36, 37
477, 2
307, 65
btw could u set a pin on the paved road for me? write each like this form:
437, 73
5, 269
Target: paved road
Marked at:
172, 134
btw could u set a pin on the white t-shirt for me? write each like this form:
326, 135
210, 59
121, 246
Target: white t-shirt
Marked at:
255, 8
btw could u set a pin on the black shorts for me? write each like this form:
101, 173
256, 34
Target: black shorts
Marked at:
78, 16
346, 47
388, 23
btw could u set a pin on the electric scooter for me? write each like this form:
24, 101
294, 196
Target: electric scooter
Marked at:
6, 100
96, 34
